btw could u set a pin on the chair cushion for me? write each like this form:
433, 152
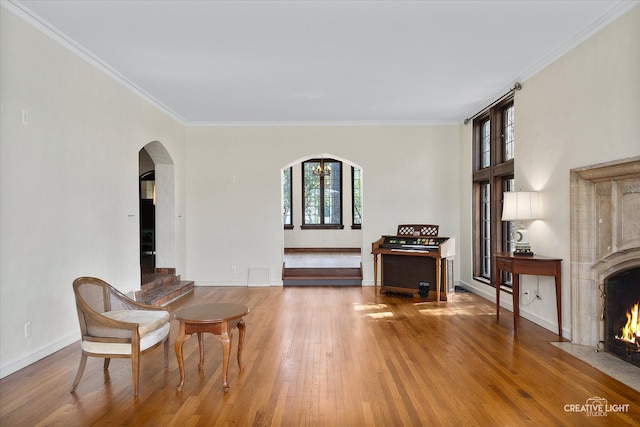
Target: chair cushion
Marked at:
147, 320
148, 340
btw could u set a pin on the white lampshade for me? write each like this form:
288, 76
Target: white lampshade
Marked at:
520, 205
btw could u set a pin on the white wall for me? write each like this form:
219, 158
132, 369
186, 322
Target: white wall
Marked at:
68, 186
582, 109
410, 175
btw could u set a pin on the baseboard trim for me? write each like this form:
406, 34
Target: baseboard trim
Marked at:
506, 302
41, 353
227, 284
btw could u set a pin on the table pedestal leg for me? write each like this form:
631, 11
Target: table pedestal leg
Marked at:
201, 345
498, 297
438, 279
241, 329
225, 340
180, 339
515, 289
375, 274
559, 300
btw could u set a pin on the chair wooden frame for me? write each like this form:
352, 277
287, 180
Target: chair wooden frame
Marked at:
111, 330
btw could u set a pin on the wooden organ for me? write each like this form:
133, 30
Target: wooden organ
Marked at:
415, 261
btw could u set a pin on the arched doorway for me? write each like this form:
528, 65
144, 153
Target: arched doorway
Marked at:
312, 237
157, 220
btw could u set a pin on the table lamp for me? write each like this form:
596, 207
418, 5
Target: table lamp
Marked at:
520, 206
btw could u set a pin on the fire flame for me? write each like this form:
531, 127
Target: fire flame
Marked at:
632, 328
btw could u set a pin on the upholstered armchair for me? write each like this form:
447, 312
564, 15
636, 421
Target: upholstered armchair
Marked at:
113, 325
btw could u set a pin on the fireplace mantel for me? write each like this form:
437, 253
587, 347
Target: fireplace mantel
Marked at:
605, 238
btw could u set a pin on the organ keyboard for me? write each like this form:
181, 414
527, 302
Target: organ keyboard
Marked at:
414, 258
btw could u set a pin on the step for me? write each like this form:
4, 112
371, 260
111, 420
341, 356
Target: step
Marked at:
162, 287
166, 294
321, 273
157, 280
322, 282
336, 276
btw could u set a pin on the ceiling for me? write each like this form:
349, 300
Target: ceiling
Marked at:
321, 62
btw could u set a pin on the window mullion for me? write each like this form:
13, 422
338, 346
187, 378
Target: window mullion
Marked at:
482, 175
322, 179
503, 169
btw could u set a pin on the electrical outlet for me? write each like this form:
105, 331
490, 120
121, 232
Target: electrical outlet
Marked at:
233, 268
27, 330
525, 297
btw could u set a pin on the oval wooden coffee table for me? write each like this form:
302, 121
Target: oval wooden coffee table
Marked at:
218, 319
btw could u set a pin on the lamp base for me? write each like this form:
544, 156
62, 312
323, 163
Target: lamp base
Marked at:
523, 250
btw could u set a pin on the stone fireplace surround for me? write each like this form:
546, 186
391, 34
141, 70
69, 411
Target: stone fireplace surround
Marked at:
605, 239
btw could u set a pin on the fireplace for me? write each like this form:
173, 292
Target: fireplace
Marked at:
622, 297
605, 250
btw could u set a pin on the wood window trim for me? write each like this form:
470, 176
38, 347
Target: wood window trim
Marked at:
354, 225
494, 174
290, 226
322, 227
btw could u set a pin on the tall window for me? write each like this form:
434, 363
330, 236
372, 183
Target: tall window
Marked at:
356, 197
494, 148
287, 198
322, 194
485, 229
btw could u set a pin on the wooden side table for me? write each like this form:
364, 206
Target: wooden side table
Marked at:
535, 265
218, 319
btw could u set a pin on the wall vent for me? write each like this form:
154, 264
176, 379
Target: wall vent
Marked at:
259, 276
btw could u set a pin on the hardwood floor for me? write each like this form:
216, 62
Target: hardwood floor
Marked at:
331, 356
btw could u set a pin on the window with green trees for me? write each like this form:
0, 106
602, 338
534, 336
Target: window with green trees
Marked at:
322, 194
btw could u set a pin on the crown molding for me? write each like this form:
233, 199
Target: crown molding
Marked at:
56, 35
33, 19
614, 13
621, 8
363, 123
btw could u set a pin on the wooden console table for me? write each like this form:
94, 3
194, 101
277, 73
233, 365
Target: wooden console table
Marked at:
536, 265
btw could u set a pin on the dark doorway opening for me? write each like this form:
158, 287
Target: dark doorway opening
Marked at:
147, 223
